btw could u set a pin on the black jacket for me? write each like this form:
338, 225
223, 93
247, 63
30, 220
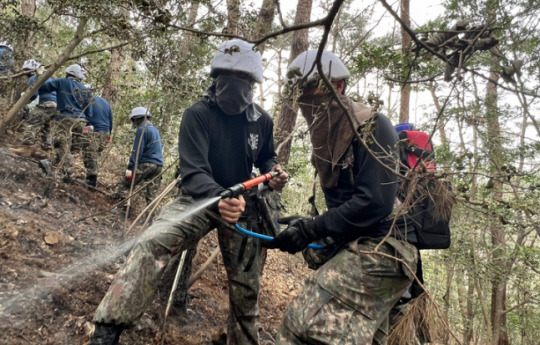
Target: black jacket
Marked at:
366, 191
218, 150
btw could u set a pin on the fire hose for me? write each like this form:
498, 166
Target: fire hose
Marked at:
235, 191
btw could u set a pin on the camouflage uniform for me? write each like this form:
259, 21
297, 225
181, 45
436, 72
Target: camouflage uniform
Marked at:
93, 143
39, 121
134, 285
146, 173
67, 132
347, 301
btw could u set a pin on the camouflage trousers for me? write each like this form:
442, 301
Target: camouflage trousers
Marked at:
39, 121
146, 173
66, 132
348, 299
92, 144
177, 228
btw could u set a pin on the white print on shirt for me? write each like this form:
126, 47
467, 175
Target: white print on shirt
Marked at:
253, 141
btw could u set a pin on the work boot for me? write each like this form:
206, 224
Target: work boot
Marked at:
46, 146
91, 180
67, 179
45, 166
46, 142
106, 334
28, 142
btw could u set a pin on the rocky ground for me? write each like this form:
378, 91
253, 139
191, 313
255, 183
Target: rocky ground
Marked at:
60, 246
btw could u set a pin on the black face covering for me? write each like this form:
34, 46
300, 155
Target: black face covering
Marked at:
233, 94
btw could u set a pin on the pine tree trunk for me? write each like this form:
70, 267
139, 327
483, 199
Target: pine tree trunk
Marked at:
233, 13
110, 89
264, 22
286, 118
498, 289
405, 42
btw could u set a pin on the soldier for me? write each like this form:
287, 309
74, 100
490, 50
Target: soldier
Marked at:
221, 138
41, 115
67, 126
146, 157
348, 299
96, 137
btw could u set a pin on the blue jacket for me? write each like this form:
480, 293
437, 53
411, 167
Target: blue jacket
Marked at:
99, 115
6, 59
150, 151
44, 96
72, 97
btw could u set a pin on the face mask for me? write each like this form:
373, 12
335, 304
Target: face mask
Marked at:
233, 94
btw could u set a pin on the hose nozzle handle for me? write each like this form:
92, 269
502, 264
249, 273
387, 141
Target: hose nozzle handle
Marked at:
235, 190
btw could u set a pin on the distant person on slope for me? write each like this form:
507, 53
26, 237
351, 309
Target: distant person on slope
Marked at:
221, 138
96, 136
146, 159
41, 115
68, 124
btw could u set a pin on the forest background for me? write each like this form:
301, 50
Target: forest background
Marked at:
478, 98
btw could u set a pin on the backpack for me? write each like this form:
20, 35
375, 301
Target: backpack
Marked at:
429, 199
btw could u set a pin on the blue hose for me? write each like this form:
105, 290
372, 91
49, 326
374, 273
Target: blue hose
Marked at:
270, 238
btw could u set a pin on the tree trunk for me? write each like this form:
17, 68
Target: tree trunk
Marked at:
286, 118
469, 314
28, 7
110, 89
233, 13
405, 42
79, 36
498, 288
264, 22
442, 132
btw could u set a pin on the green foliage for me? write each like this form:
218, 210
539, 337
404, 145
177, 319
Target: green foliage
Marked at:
376, 57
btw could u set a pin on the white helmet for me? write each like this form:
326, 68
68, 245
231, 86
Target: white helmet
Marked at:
239, 56
6, 44
304, 63
76, 71
139, 112
30, 65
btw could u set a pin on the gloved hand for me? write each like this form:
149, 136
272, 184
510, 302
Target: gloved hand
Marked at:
129, 175
299, 233
40, 70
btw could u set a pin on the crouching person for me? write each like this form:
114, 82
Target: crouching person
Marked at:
349, 298
146, 161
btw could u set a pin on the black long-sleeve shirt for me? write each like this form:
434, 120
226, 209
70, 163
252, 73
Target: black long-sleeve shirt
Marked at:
218, 150
365, 194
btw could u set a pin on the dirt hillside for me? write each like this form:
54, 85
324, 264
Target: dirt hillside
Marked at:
60, 246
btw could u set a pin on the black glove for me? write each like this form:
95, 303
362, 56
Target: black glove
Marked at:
299, 233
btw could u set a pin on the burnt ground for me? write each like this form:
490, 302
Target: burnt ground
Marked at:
58, 255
